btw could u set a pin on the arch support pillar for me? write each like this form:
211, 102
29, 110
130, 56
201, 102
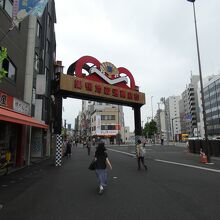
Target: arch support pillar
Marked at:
57, 114
137, 122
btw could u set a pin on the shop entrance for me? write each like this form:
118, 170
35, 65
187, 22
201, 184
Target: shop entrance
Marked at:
89, 79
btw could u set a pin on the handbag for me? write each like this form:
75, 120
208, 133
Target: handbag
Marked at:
92, 165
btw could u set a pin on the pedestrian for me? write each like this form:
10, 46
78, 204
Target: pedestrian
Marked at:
140, 151
88, 145
161, 141
93, 141
68, 149
101, 158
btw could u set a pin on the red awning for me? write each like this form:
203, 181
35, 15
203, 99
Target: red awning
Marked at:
14, 117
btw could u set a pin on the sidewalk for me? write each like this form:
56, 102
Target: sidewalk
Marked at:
16, 169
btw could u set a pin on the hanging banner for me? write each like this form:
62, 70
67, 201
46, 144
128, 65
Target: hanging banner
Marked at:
23, 8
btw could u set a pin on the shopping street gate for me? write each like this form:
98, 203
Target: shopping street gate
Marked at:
89, 79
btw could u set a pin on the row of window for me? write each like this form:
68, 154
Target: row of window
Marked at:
107, 117
105, 127
217, 126
108, 127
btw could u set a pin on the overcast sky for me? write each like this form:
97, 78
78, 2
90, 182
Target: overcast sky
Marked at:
154, 39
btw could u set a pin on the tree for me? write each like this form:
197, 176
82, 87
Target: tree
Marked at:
150, 129
3, 55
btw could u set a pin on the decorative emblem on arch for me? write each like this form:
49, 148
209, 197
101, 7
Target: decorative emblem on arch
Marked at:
102, 72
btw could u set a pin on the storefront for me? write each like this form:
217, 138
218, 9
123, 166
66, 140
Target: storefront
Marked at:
15, 124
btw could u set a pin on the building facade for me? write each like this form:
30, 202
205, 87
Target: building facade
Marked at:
102, 121
172, 113
212, 105
25, 109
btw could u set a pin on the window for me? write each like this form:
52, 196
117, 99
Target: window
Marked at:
46, 72
10, 68
36, 61
48, 20
48, 46
7, 5
104, 127
39, 30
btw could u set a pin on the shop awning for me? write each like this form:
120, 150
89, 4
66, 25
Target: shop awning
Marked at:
14, 117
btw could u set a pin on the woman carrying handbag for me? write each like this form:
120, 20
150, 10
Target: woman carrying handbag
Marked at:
102, 160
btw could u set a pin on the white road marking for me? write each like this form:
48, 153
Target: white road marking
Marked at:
122, 152
170, 162
187, 165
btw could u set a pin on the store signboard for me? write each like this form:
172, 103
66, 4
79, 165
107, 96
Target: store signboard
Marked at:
109, 132
100, 90
6, 100
102, 82
21, 107
14, 104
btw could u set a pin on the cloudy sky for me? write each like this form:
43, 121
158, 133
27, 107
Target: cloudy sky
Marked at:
154, 39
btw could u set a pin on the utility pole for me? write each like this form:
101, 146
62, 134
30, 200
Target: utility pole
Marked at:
201, 82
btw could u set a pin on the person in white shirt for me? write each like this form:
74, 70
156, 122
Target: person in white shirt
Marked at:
140, 153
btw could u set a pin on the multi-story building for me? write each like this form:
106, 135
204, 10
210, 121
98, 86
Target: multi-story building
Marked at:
102, 121
182, 107
189, 108
212, 105
161, 124
25, 91
172, 113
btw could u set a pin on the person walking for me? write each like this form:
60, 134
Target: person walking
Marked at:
89, 146
140, 151
101, 158
68, 149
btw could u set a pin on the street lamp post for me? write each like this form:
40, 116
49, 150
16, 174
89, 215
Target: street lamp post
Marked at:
201, 82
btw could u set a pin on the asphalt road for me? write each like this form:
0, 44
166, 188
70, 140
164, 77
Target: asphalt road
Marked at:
176, 186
